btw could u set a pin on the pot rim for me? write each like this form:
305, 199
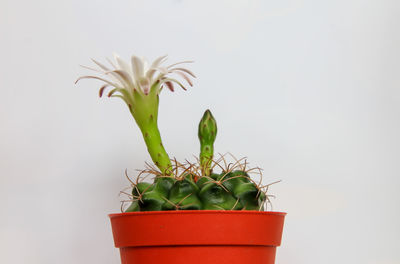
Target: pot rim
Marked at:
197, 227
174, 212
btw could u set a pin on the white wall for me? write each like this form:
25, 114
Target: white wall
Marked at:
308, 90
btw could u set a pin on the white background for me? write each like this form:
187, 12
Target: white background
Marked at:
308, 90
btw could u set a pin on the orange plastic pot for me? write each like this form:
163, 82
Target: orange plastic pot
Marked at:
206, 237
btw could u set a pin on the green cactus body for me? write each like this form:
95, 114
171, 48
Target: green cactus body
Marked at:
215, 197
183, 195
225, 191
233, 179
137, 192
207, 133
247, 193
149, 198
239, 184
163, 185
134, 207
203, 181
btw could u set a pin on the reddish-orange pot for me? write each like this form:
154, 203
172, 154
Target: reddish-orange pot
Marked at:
206, 237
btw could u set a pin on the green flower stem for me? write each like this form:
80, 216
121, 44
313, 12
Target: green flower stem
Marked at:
145, 112
207, 152
207, 134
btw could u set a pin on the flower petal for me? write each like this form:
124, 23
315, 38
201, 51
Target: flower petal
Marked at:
162, 70
122, 64
158, 61
102, 89
104, 68
172, 65
184, 70
174, 81
123, 98
97, 78
137, 67
170, 86
184, 76
112, 63
153, 67
90, 68
123, 76
150, 73
145, 85
145, 65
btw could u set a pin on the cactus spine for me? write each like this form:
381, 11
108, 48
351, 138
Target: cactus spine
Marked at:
207, 134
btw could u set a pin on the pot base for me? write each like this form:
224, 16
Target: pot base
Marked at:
198, 255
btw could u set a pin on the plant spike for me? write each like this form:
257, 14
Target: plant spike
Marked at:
207, 134
139, 86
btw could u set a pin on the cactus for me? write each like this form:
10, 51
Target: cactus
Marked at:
231, 191
176, 186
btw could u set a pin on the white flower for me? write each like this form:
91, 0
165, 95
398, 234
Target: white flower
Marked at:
138, 76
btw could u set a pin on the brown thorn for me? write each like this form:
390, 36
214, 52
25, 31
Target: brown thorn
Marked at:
128, 187
252, 169
237, 160
271, 184
176, 167
122, 192
244, 166
223, 159
184, 198
137, 190
126, 174
187, 205
122, 206
219, 207
168, 201
216, 163
187, 169
261, 206
237, 201
261, 176
126, 201
234, 177
269, 201
145, 190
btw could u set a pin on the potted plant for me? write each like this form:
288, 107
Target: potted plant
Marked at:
206, 211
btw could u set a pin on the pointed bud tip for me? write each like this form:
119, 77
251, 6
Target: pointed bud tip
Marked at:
208, 115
